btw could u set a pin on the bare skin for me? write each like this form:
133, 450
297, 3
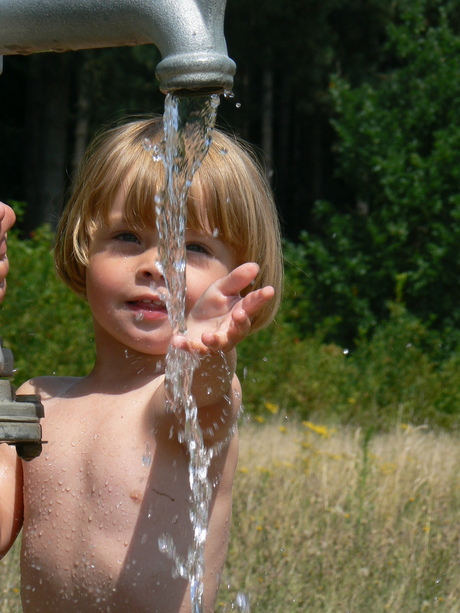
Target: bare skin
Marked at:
113, 476
7, 219
108, 485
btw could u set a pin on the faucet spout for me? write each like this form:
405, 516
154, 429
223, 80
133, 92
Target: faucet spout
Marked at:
188, 33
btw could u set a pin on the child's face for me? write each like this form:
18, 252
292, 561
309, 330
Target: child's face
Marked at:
125, 288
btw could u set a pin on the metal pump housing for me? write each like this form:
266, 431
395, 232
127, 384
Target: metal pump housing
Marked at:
188, 33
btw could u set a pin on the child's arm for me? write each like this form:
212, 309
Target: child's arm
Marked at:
11, 501
7, 219
217, 323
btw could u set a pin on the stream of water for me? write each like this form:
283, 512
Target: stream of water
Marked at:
188, 124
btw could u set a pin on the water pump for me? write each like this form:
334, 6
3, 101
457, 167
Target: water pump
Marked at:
188, 33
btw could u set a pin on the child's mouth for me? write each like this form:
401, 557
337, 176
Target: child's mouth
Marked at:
148, 303
148, 308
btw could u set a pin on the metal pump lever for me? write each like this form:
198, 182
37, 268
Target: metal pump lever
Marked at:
19, 414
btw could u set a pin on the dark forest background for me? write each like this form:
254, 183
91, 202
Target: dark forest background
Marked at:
286, 52
354, 107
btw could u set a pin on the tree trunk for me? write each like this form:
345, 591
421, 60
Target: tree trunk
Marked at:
267, 119
82, 121
46, 129
283, 153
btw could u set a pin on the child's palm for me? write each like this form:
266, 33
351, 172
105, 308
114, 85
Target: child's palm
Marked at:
221, 318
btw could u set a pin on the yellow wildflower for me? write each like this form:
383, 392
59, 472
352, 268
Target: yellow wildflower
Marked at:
388, 468
273, 408
323, 431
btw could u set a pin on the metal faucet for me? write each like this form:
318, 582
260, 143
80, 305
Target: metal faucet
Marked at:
188, 33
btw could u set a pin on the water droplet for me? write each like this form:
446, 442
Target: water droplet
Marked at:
242, 602
238, 105
166, 545
147, 457
148, 144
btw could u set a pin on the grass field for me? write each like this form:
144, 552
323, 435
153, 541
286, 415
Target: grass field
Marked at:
335, 520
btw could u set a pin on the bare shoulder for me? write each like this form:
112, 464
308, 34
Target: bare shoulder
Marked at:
47, 387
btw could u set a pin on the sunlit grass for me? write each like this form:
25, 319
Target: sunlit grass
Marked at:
334, 520
10, 599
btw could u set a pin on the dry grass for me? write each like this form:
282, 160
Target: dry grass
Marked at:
10, 600
329, 521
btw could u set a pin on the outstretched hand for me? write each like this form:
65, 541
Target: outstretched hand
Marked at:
7, 219
221, 318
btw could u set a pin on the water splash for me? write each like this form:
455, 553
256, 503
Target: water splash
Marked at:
188, 124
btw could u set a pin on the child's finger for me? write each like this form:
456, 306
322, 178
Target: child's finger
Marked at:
238, 279
254, 301
179, 341
7, 217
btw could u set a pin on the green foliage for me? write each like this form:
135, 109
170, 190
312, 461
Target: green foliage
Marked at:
47, 327
399, 144
399, 372
329, 280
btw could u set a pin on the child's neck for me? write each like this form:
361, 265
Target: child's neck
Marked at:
126, 369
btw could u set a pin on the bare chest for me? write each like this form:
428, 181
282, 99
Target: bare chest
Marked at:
97, 501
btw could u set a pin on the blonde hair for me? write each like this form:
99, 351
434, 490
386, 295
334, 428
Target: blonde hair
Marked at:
238, 202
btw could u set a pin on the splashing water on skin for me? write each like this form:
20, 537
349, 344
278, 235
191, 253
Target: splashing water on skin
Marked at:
188, 124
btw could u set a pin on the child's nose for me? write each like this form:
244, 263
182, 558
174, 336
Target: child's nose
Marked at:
149, 265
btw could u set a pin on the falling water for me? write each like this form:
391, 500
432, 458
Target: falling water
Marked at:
188, 124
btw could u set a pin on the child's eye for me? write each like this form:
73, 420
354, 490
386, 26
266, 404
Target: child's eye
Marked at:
197, 248
127, 237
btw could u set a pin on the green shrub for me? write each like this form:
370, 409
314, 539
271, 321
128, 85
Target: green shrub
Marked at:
398, 373
48, 328
398, 156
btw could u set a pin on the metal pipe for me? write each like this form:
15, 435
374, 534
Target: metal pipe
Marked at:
188, 33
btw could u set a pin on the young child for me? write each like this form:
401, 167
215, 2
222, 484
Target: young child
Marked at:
112, 477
